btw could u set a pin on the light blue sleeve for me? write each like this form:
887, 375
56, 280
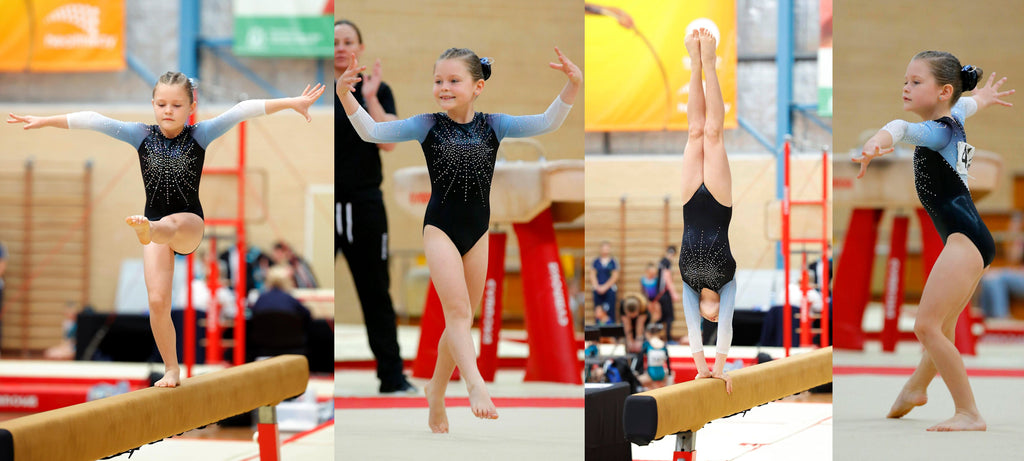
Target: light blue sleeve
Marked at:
964, 108
691, 310
410, 129
208, 130
521, 126
930, 134
130, 132
726, 307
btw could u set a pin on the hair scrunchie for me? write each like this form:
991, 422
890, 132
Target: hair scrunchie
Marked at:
486, 64
969, 76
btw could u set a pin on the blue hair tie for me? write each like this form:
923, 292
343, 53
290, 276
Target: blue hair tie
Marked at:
969, 76
486, 64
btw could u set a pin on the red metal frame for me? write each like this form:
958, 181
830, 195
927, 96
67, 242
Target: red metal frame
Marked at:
213, 343
787, 241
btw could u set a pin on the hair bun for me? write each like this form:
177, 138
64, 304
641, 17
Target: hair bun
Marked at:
970, 76
486, 64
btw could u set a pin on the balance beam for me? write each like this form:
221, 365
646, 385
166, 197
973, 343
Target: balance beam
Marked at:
112, 425
686, 407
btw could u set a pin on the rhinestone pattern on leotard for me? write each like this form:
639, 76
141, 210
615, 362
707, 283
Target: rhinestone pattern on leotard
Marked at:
946, 198
461, 159
705, 258
171, 171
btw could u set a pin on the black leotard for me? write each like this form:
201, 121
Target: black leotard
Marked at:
946, 198
705, 259
460, 161
171, 169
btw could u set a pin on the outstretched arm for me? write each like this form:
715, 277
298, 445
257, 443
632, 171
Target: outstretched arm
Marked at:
130, 132
299, 103
208, 130
930, 134
32, 122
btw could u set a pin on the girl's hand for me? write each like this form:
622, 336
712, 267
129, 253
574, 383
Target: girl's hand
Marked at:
726, 378
989, 94
349, 78
566, 66
703, 374
871, 151
372, 82
308, 97
30, 121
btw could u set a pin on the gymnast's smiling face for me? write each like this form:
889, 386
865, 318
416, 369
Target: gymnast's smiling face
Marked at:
454, 87
710, 301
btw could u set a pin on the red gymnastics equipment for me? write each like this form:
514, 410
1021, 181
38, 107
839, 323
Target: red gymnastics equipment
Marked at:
889, 186
824, 240
237, 223
525, 194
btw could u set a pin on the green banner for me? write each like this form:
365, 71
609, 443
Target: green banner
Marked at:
277, 36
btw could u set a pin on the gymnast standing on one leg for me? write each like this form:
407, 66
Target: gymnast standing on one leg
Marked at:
705, 259
460, 147
931, 89
171, 156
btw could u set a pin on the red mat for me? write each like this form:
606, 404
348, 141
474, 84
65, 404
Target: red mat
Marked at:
363, 403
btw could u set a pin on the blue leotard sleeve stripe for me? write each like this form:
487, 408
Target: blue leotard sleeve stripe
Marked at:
964, 108
726, 307
521, 126
130, 132
691, 310
930, 134
410, 129
208, 130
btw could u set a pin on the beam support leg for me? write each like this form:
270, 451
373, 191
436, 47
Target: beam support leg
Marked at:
686, 444
268, 439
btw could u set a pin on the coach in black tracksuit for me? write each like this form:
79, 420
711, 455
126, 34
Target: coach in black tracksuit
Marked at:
361, 225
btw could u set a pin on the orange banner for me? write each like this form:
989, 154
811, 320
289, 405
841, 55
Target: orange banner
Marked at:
627, 90
62, 35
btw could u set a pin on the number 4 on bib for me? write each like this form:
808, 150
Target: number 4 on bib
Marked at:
964, 155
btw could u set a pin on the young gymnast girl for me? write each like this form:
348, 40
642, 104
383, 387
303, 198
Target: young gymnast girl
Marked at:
460, 147
931, 90
705, 259
171, 156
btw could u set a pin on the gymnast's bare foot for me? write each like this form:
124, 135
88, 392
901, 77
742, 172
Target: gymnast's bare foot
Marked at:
707, 48
480, 402
906, 401
141, 226
172, 378
960, 422
438, 419
692, 41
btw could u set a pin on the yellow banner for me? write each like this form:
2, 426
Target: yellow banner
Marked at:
14, 48
62, 35
627, 90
